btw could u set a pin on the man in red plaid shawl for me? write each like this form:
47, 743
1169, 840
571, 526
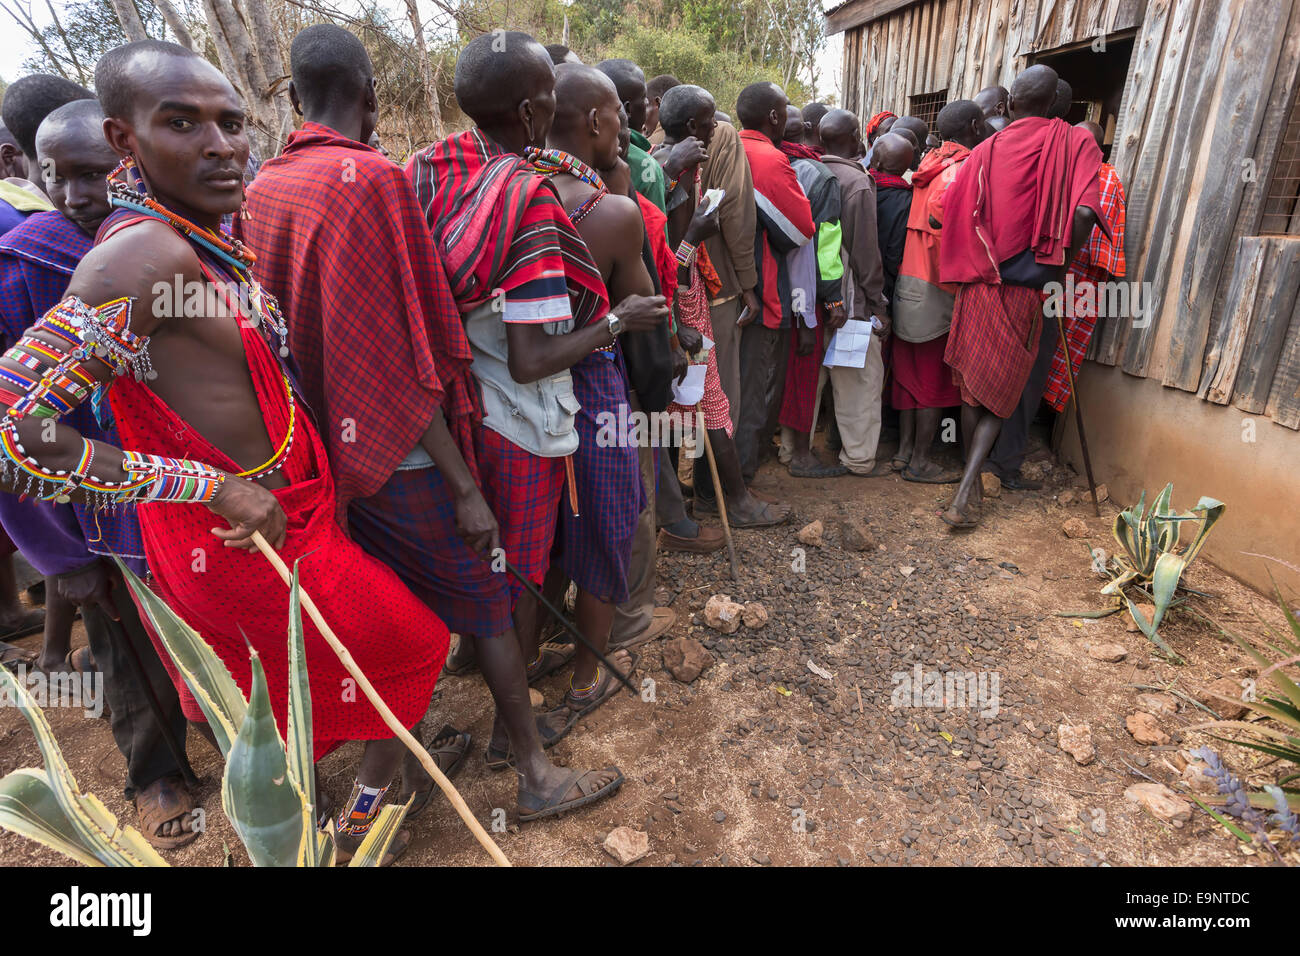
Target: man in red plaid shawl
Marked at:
513, 260
1101, 260
1019, 206
342, 244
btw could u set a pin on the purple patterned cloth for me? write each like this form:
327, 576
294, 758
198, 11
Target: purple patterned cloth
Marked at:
596, 546
37, 260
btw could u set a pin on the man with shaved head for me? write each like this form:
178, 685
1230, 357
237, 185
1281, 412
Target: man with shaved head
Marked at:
919, 129
688, 111
1011, 226
648, 177
731, 253
858, 391
595, 543
27, 101
1064, 97
560, 53
526, 288
812, 120
890, 160
816, 302
655, 90
73, 544
992, 101
922, 382
342, 243
1100, 260
218, 418
784, 223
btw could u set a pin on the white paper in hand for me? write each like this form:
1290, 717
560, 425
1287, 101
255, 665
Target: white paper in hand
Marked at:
848, 347
691, 389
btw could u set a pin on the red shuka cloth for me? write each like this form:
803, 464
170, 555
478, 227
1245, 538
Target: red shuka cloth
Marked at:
495, 220
656, 226
921, 377
1101, 260
342, 244
802, 373
231, 596
930, 181
1018, 190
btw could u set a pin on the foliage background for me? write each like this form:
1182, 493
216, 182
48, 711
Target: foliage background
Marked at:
722, 45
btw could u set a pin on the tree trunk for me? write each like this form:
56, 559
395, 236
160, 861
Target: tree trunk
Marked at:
270, 121
129, 17
274, 65
175, 23
426, 72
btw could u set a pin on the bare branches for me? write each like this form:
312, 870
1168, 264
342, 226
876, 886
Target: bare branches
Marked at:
22, 16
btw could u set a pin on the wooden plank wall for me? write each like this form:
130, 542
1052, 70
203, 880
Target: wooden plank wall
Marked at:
1209, 89
963, 45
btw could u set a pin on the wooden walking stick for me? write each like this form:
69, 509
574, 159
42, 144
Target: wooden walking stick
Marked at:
426, 760
718, 494
1078, 412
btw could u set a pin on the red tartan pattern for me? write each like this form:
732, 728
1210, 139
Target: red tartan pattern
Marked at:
993, 343
1101, 260
343, 245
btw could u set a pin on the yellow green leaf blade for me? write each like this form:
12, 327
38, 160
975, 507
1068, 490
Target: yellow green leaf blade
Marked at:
29, 808
264, 805
208, 679
381, 835
83, 817
298, 737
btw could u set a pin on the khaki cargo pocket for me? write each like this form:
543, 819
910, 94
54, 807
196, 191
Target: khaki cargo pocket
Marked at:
559, 403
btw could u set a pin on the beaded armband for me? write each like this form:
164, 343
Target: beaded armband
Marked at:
52, 377
149, 477
155, 478
685, 254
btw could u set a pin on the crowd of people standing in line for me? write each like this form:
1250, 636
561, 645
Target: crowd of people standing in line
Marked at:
403, 377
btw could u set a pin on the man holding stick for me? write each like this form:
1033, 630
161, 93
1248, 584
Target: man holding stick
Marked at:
211, 415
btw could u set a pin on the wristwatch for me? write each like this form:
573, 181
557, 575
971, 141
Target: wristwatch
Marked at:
615, 324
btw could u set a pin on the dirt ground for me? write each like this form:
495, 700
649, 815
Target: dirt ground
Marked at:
761, 761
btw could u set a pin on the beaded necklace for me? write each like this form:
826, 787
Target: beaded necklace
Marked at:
551, 162
235, 256
228, 250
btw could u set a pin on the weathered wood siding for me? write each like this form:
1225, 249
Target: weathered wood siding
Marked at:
1209, 90
959, 45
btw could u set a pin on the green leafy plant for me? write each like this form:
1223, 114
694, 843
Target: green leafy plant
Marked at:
268, 789
1148, 560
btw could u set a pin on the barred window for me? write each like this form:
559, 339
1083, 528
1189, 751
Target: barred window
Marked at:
1281, 217
926, 106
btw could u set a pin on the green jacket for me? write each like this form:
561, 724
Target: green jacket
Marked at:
647, 174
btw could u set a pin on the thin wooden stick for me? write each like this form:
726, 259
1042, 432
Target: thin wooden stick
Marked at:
719, 494
1078, 412
404, 735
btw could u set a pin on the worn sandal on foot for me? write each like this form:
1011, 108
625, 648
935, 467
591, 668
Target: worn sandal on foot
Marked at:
532, 807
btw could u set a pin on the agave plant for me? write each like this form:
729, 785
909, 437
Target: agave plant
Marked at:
1281, 738
268, 789
1148, 559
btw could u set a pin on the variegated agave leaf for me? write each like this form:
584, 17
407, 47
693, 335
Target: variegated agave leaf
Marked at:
1210, 511
218, 695
298, 743
264, 805
1149, 630
48, 807
381, 835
